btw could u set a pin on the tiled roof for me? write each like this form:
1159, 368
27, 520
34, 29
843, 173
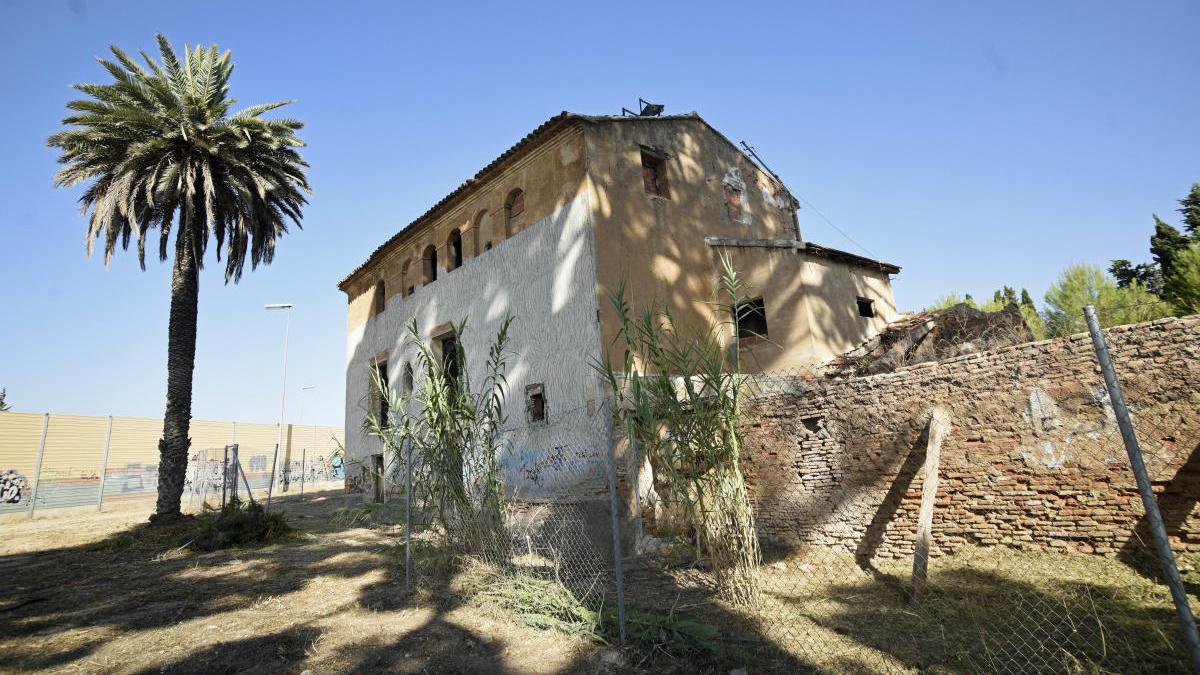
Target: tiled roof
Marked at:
542, 133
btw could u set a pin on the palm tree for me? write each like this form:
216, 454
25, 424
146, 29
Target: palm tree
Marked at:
162, 151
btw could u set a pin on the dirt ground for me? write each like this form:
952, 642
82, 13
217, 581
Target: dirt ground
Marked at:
82, 595
98, 593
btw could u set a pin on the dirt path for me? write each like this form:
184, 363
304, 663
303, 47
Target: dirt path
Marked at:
82, 595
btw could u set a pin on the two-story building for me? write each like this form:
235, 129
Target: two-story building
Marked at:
547, 231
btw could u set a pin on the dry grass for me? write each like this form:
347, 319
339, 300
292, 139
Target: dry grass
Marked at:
96, 594
82, 594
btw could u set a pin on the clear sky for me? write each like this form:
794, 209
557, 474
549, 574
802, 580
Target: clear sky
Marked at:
973, 143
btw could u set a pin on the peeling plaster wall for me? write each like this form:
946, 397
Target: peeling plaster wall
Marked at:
1034, 459
545, 277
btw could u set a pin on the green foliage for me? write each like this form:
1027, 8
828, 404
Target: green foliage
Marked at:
454, 435
3, 403
164, 151
1037, 325
532, 601
1165, 245
1189, 207
1146, 274
236, 526
1185, 280
1081, 285
678, 399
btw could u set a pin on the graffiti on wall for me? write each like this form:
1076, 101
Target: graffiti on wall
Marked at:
13, 486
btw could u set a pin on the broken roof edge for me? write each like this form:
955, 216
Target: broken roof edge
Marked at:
540, 134
849, 258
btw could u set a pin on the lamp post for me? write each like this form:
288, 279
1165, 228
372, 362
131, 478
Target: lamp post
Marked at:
304, 451
282, 395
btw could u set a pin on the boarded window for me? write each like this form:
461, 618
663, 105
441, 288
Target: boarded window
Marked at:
654, 174
535, 403
751, 322
866, 308
733, 203
514, 212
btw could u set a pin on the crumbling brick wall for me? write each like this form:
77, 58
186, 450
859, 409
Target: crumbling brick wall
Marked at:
1034, 459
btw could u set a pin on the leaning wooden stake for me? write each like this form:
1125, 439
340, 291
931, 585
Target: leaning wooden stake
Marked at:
938, 427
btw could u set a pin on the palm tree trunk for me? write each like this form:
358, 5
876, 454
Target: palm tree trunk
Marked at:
181, 359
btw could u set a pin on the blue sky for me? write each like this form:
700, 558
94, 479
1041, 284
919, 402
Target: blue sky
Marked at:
975, 144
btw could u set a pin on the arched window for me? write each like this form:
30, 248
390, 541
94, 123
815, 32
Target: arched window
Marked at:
429, 265
514, 212
454, 252
379, 300
478, 233
406, 385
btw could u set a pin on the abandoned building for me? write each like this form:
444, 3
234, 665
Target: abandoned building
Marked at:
550, 228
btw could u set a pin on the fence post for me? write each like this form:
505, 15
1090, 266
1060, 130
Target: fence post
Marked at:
233, 497
271, 485
616, 522
407, 515
1187, 622
37, 472
104, 465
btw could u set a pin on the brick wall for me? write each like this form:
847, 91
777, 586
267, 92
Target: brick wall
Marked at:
1034, 458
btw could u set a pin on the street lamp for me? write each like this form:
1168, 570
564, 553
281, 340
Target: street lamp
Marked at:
282, 395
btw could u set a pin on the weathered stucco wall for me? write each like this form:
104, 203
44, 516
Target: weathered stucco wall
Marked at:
544, 276
656, 246
1034, 458
811, 306
550, 175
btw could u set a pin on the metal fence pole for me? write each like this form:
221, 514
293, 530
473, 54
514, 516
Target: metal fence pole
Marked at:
616, 523
37, 473
407, 515
224, 476
303, 475
271, 485
233, 497
1166, 557
104, 465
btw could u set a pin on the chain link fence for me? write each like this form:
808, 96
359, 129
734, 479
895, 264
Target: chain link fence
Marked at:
50, 461
974, 514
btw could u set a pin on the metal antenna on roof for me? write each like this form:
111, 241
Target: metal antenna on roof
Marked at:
646, 109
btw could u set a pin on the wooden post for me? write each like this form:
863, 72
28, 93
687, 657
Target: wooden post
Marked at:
935, 432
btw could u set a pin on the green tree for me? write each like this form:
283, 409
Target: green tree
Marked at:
4, 407
1185, 280
1146, 274
1189, 206
1081, 285
1165, 245
162, 151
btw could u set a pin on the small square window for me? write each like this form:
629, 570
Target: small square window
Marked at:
751, 322
535, 403
654, 174
866, 308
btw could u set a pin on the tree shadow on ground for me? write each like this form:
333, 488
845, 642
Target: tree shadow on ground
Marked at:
1176, 501
975, 620
70, 602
